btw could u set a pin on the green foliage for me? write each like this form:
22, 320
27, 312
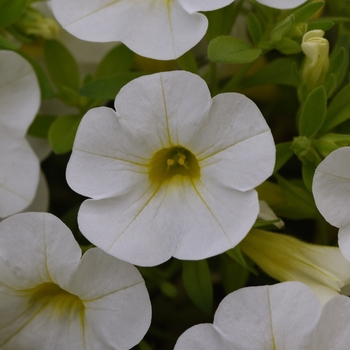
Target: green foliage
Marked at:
227, 49
254, 28
108, 87
313, 112
118, 60
338, 111
188, 62
300, 203
11, 10
197, 282
283, 154
41, 125
62, 133
236, 254
61, 65
308, 172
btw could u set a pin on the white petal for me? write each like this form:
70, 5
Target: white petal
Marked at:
344, 241
214, 219
19, 175
106, 160
192, 6
165, 109
41, 200
281, 316
19, 93
282, 4
151, 224
234, 146
117, 305
50, 253
41, 147
331, 187
333, 329
202, 337
152, 28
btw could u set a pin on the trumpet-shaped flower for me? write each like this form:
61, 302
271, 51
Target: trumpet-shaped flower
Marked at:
51, 298
285, 316
19, 101
171, 172
162, 30
331, 190
157, 29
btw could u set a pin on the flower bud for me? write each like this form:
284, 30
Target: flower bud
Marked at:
316, 63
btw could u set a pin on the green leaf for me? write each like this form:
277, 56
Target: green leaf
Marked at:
308, 172
62, 133
323, 24
304, 13
236, 254
313, 112
198, 284
279, 71
61, 65
44, 82
234, 276
118, 60
282, 28
108, 87
41, 125
283, 154
227, 49
254, 28
338, 110
287, 46
300, 202
11, 10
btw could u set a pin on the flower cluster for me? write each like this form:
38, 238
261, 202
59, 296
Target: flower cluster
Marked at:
180, 176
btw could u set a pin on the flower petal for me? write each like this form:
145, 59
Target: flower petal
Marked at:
170, 107
50, 248
120, 161
202, 337
19, 175
235, 143
331, 187
192, 6
152, 28
117, 305
281, 316
282, 4
19, 93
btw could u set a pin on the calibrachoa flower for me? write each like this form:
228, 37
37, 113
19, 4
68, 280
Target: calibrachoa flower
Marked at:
162, 30
331, 190
285, 316
171, 172
157, 29
19, 101
52, 298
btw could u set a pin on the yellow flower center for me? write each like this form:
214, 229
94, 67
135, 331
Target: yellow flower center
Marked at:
169, 162
51, 295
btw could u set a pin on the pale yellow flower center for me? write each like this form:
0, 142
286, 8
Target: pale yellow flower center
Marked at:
169, 162
53, 296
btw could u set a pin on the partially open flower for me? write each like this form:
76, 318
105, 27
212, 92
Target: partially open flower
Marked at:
19, 101
171, 172
52, 298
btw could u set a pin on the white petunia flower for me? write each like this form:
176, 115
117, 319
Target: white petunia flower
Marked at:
172, 172
331, 190
19, 101
157, 29
51, 298
285, 316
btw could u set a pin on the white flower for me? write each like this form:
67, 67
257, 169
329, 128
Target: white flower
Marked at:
285, 316
51, 298
157, 29
172, 171
19, 101
331, 190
